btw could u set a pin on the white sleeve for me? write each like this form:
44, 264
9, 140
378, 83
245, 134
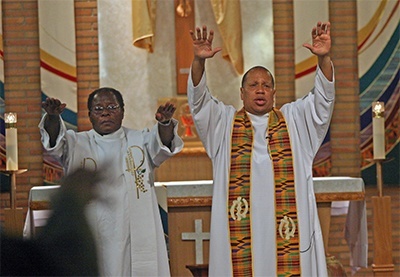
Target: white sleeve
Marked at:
212, 118
310, 116
157, 150
60, 149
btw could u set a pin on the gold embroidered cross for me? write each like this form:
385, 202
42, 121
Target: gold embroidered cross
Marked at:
136, 171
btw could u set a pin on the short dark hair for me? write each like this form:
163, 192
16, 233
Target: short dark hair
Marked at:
254, 68
116, 93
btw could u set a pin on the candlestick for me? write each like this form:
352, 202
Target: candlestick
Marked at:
378, 128
10, 120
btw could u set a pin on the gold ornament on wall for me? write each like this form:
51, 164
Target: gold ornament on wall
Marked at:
183, 9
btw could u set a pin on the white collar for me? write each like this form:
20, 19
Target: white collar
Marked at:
258, 119
119, 134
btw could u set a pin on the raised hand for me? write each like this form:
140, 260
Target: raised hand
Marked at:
321, 39
165, 112
202, 43
53, 106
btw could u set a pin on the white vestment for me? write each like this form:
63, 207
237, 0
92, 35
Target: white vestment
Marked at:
308, 121
125, 222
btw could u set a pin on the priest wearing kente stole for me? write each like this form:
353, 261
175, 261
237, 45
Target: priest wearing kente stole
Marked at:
264, 219
125, 217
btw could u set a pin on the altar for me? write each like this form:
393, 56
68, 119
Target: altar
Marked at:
186, 210
189, 213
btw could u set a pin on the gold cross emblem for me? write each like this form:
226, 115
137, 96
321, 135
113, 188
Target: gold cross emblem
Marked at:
136, 170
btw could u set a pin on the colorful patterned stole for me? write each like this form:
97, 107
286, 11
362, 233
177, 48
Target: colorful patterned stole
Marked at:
239, 209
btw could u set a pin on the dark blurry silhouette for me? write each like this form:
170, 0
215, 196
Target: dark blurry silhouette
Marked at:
65, 246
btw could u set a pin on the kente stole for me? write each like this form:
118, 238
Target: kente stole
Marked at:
239, 208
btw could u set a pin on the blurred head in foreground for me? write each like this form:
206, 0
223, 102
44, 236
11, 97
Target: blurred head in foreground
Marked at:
65, 246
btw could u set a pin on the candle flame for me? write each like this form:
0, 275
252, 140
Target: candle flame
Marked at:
10, 117
378, 109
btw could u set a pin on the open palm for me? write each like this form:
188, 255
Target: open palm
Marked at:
202, 43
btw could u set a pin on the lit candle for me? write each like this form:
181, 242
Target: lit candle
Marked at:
378, 129
11, 141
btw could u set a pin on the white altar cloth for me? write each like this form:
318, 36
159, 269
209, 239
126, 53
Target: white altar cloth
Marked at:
37, 218
321, 185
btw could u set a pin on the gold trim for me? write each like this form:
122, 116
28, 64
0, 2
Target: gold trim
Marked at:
199, 201
339, 196
192, 150
40, 205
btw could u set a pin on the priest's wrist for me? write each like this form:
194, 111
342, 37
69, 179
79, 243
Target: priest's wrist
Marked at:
165, 123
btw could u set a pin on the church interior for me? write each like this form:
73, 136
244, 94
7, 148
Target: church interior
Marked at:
68, 48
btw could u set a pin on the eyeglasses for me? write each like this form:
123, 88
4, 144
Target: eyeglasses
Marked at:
99, 109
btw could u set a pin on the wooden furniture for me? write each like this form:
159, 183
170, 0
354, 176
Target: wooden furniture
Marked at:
13, 216
382, 236
188, 201
198, 270
382, 227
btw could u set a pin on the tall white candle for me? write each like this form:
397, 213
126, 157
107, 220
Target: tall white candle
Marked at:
378, 130
11, 141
